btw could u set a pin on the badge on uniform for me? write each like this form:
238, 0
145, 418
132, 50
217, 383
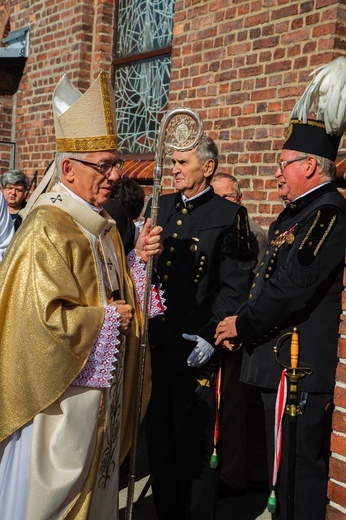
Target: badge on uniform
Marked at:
193, 247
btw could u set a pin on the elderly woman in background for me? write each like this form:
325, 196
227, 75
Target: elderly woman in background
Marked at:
14, 185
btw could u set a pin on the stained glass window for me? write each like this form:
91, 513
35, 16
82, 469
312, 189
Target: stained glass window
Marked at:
142, 71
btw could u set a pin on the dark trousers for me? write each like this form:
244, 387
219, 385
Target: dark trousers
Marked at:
233, 424
185, 487
311, 458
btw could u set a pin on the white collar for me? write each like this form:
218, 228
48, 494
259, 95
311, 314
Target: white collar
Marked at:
94, 208
185, 199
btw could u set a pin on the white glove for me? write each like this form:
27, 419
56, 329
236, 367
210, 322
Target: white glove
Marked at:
201, 353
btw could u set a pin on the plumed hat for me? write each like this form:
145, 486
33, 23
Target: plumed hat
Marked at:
325, 96
84, 122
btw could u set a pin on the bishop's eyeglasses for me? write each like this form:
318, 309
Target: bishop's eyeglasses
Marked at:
103, 168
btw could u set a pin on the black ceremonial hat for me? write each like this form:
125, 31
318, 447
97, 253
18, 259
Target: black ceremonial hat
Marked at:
311, 137
325, 96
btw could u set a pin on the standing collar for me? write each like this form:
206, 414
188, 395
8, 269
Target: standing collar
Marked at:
194, 202
306, 199
186, 200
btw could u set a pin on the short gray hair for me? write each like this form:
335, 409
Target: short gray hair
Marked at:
207, 149
223, 175
60, 156
326, 167
14, 177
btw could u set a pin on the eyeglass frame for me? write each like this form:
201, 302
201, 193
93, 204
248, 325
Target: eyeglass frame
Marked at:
233, 197
118, 165
282, 164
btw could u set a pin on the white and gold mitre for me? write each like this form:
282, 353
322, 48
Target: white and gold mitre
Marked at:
84, 122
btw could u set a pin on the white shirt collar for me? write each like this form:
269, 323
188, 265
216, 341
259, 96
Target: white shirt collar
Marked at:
310, 191
98, 210
185, 199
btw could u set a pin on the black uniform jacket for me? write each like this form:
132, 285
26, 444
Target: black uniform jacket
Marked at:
299, 284
124, 222
205, 270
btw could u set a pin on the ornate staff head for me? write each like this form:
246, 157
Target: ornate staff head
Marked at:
181, 129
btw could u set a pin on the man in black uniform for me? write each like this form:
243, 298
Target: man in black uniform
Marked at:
205, 270
299, 285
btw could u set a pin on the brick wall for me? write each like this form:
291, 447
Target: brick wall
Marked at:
6, 102
4, 17
336, 488
242, 67
72, 37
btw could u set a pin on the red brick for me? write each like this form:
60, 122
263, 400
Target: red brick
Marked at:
340, 396
334, 514
338, 444
336, 493
339, 421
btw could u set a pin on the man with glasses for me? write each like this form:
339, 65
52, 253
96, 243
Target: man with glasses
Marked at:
299, 285
69, 364
227, 186
14, 187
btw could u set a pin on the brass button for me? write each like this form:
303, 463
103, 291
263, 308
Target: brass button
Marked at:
175, 235
171, 249
202, 257
179, 222
184, 210
169, 263
163, 320
165, 277
195, 281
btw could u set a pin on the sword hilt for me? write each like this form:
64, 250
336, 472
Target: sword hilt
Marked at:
294, 349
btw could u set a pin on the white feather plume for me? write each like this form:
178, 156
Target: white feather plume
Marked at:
326, 97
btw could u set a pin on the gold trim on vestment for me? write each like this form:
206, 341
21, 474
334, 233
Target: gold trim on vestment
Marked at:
107, 104
87, 144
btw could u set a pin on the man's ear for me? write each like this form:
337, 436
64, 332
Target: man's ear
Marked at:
311, 165
67, 169
209, 167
